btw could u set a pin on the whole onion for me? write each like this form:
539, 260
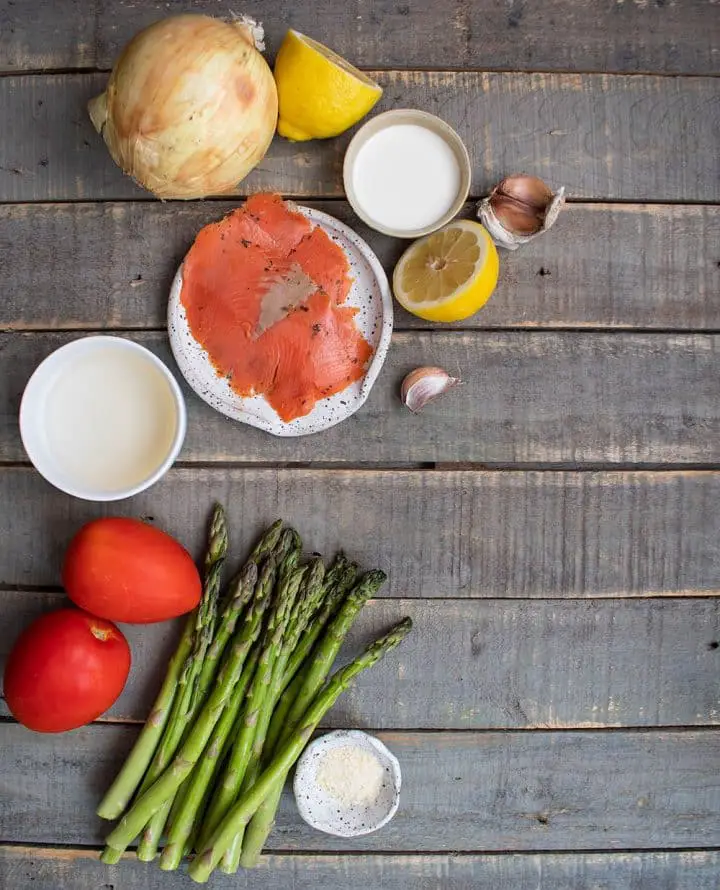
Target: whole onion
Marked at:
190, 107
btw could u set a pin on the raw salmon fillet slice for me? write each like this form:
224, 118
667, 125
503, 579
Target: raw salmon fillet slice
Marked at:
263, 291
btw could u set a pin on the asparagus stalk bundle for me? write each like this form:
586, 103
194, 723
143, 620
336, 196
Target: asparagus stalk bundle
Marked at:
257, 700
288, 753
185, 705
299, 698
245, 689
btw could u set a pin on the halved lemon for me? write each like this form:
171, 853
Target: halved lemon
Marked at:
449, 275
319, 93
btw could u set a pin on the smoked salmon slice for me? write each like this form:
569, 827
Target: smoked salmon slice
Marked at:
264, 293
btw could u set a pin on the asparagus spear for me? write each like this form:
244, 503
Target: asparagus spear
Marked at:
209, 651
126, 782
268, 541
195, 790
130, 776
204, 625
298, 700
330, 644
287, 549
186, 704
306, 604
338, 581
208, 858
237, 598
287, 588
167, 784
238, 595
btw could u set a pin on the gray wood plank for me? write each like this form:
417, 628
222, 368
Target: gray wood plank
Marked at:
528, 397
79, 869
602, 136
461, 791
508, 534
604, 265
554, 35
597, 663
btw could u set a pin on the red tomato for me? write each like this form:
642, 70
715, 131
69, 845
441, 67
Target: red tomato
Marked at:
65, 670
126, 570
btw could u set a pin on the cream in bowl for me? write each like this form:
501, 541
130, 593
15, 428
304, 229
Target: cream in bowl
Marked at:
102, 418
406, 173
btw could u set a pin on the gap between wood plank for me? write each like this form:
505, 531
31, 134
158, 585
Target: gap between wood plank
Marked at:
529, 328
430, 467
219, 199
425, 69
6, 587
666, 729
388, 854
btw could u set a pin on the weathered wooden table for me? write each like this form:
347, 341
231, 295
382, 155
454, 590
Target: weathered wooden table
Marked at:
552, 526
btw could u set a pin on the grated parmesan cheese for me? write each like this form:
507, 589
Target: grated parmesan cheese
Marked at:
350, 775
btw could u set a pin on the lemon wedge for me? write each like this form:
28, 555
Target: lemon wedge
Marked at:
449, 275
319, 93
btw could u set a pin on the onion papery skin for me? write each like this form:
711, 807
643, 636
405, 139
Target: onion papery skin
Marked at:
190, 107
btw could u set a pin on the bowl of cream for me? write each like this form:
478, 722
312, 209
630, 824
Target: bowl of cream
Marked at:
406, 173
347, 783
102, 418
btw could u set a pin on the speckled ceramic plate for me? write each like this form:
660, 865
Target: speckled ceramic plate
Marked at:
322, 811
370, 293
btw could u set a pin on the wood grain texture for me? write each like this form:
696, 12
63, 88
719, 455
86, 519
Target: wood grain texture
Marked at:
80, 869
436, 534
461, 791
602, 136
521, 664
615, 266
550, 398
554, 35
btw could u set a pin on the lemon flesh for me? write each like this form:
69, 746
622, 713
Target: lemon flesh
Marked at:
449, 275
320, 94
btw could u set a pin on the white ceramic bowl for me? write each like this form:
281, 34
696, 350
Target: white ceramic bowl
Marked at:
326, 813
97, 455
436, 125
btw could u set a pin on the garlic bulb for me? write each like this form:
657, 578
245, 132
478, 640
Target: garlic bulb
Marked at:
190, 107
424, 384
519, 209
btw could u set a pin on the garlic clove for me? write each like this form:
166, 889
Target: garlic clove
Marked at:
515, 216
528, 191
423, 385
519, 208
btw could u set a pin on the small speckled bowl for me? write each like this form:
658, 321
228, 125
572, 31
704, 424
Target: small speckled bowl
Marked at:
369, 295
324, 812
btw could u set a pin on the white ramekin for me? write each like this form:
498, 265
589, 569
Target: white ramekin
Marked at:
32, 416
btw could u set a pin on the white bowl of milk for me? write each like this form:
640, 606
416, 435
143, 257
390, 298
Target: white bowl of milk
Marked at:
102, 418
406, 173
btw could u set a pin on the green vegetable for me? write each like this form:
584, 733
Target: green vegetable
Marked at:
187, 703
194, 792
211, 854
168, 783
338, 581
258, 699
246, 687
131, 774
300, 694
306, 605
135, 767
